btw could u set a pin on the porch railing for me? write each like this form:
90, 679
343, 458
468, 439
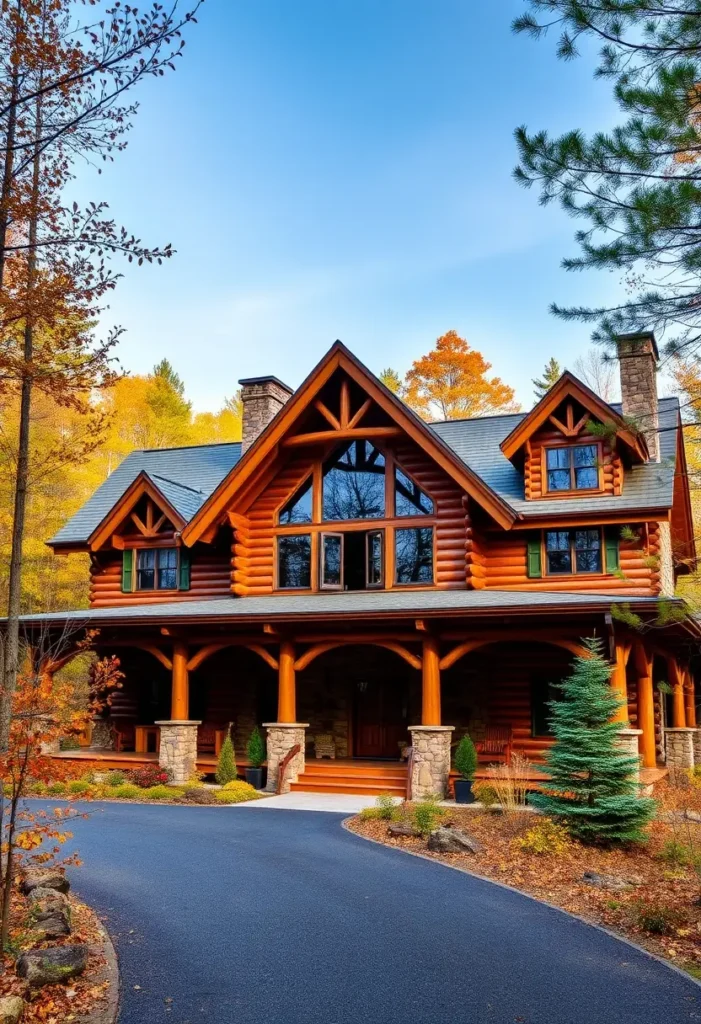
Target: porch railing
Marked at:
292, 752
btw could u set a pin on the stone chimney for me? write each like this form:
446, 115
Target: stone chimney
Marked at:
638, 358
262, 399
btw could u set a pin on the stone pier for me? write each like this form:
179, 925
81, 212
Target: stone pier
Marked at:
178, 751
627, 743
680, 748
282, 737
431, 760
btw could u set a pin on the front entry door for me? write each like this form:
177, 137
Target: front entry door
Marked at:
380, 719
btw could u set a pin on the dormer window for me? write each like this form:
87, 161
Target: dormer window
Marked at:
156, 569
573, 468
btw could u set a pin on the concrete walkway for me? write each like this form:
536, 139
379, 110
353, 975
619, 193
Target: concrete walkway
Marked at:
245, 916
339, 803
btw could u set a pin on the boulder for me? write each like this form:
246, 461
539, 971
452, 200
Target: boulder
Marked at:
49, 879
52, 924
401, 828
616, 883
48, 966
11, 1009
452, 840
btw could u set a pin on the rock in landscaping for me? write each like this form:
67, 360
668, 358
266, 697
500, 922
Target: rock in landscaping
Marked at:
52, 924
199, 795
613, 882
11, 1009
48, 966
47, 899
51, 879
452, 840
401, 828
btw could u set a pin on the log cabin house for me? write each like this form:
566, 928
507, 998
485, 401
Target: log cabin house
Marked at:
361, 582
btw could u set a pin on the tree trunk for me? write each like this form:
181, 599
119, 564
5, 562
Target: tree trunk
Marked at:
12, 642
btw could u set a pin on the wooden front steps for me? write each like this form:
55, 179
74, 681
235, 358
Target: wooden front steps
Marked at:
368, 778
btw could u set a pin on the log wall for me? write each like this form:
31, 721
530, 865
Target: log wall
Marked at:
610, 473
210, 576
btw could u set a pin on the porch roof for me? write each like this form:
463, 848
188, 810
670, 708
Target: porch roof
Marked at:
346, 605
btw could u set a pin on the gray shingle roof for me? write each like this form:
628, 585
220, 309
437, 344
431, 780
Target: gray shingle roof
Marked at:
477, 442
343, 604
185, 476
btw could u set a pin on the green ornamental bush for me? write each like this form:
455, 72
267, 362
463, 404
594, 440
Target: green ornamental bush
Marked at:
78, 787
127, 792
160, 793
237, 793
592, 789
427, 816
116, 779
466, 758
255, 749
486, 794
226, 765
57, 789
387, 807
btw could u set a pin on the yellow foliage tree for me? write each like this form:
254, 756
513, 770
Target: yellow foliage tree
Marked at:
451, 382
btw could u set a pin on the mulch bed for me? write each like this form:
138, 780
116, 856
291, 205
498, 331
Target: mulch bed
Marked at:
557, 879
79, 998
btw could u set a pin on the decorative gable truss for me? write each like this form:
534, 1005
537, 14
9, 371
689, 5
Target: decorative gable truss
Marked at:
572, 442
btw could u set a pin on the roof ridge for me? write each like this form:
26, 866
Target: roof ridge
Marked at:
472, 419
175, 483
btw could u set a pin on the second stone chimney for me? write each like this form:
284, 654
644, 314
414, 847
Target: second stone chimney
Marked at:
262, 398
638, 358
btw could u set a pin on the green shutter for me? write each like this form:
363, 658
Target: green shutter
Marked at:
611, 539
128, 570
184, 569
534, 566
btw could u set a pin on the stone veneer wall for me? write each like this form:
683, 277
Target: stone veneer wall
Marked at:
431, 760
666, 560
262, 398
281, 738
637, 362
178, 752
680, 748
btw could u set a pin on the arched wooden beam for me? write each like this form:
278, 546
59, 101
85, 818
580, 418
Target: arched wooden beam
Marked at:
206, 652
308, 657
156, 652
468, 646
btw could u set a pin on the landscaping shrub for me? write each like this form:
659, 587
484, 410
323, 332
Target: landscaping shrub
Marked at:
161, 793
237, 793
486, 794
466, 758
255, 749
387, 807
57, 789
38, 788
427, 816
657, 918
226, 765
68, 743
127, 791
199, 795
592, 788
115, 779
78, 787
545, 837
677, 854
149, 775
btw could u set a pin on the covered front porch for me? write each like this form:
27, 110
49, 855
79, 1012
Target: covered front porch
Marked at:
346, 687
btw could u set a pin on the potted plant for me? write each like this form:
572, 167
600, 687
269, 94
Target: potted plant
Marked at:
255, 751
466, 765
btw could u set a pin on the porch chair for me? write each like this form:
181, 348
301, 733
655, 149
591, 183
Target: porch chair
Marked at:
207, 738
496, 745
324, 746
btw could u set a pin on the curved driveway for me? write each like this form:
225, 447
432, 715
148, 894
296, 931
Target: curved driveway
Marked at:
241, 916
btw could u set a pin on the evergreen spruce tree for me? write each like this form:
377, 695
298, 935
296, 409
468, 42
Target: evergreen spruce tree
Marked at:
592, 786
551, 375
226, 765
635, 186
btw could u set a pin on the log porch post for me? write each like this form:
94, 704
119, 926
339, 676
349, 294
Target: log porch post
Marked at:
690, 698
618, 681
676, 679
287, 684
180, 692
431, 682
646, 706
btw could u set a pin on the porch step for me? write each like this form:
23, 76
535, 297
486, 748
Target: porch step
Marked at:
358, 777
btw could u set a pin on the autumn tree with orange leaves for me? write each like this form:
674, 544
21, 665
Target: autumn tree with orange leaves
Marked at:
451, 382
63, 89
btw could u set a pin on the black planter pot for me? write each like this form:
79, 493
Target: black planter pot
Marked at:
463, 791
254, 777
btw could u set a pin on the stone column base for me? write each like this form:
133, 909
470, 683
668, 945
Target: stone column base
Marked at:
696, 740
282, 737
627, 743
430, 746
680, 748
102, 735
178, 751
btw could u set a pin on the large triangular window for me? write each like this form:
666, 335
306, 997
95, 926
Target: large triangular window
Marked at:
299, 508
409, 499
354, 483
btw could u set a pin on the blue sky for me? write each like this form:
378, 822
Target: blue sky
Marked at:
343, 170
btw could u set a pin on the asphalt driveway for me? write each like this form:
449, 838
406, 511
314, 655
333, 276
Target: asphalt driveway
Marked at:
244, 916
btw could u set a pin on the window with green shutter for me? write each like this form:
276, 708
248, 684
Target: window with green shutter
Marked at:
184, 569
612, 540
534, 567
127, 570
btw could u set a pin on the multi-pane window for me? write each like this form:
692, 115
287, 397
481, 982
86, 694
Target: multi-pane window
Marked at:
409, 499
294, 561
573, 469
299, 508
413, 555
354, 483
572, 551
156, 569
